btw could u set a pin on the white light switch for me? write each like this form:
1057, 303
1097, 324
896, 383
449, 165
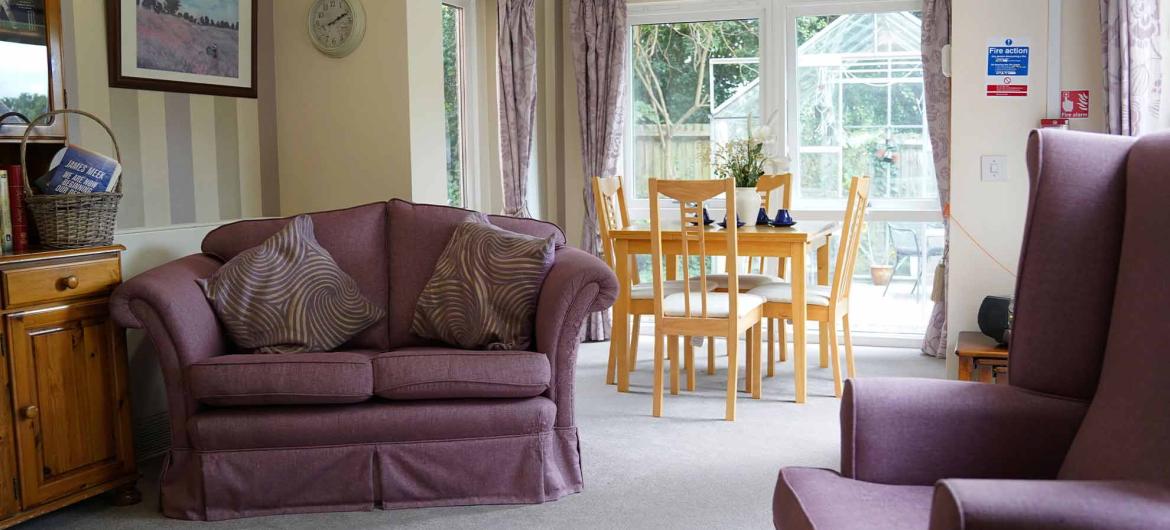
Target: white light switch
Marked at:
994, 168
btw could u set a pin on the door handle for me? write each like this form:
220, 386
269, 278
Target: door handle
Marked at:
30, 412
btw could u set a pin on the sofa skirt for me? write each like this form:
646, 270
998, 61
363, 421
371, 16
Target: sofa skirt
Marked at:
229, 484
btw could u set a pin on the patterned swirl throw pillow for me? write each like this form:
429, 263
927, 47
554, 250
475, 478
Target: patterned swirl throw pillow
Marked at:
483, 293
287, 295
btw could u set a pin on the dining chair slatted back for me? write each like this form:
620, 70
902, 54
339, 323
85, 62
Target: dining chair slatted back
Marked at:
691, 196
851, 233
706, 313
765, 186
609, 199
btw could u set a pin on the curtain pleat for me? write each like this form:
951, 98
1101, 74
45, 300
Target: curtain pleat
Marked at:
599, 37
517, 63
1131, 44
936, 33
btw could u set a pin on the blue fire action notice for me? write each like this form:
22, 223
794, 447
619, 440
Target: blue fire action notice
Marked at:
1007, 67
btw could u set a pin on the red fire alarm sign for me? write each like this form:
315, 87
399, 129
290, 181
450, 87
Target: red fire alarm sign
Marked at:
1074, 103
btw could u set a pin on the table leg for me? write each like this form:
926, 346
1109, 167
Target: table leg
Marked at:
799, 316
965, 368
621, 311
823, 279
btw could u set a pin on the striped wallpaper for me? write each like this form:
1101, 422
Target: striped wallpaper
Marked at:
187, 158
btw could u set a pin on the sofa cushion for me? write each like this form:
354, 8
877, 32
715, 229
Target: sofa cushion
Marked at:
443, 373
354, 237
416, 236
808, 498
287, 295
483, 292
375, 421
282, 379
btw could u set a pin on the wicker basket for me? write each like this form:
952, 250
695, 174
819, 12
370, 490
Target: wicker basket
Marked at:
72, 220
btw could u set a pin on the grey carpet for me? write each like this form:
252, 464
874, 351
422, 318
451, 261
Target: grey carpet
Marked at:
688, 469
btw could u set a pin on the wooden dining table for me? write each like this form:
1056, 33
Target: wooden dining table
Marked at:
751, 240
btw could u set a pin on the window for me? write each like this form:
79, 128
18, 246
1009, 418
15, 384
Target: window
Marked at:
856, 107
453, 101
841, 85
696, 85
860, 106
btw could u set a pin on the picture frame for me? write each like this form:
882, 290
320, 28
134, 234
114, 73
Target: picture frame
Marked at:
191, 46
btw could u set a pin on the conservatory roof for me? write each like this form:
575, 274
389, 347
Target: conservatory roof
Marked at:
867, 34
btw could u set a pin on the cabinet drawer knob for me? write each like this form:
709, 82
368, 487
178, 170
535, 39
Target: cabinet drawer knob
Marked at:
30, 411
70, 281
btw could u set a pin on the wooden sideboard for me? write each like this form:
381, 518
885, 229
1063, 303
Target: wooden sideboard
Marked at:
980, 358
65, 432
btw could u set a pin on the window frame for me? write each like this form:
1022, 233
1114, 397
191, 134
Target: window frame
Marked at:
777, 23
469, 128
680, 12
896, 210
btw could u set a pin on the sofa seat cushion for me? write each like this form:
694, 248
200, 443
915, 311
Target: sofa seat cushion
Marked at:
375, 421
282, 379
445, 373
808, 498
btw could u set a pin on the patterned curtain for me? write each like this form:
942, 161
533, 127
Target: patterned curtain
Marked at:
1130, 31
517, 58
598, 35
936, 32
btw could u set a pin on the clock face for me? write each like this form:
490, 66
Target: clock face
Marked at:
335, 26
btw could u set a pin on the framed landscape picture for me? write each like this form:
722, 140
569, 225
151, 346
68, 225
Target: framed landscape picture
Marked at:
195, 46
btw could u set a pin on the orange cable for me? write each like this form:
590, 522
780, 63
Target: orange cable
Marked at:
978, 245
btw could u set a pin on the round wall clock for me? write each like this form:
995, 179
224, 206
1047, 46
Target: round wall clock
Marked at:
336, 27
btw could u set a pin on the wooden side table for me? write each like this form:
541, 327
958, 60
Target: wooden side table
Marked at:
978, 351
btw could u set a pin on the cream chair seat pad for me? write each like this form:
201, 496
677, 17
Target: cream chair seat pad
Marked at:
781, 293
747, 282
718, 304
645, 291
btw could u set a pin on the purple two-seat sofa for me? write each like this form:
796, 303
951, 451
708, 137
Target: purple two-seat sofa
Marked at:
1080, 439
388, 420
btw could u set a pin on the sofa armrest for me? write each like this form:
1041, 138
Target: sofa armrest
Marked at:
917, 431
179, 323
974, 504
578, 284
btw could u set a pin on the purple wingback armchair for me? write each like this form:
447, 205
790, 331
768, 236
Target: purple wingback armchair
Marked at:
1080, 439
389, 420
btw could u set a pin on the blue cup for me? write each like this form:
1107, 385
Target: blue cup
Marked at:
783, 217
707, 218
762, 217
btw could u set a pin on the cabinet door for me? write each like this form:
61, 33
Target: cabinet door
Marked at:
9, 496
72, 415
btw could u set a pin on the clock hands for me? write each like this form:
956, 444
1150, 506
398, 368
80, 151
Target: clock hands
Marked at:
339, 17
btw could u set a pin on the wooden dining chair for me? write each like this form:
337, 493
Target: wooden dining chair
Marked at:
699, 312
828, 304
609, 200
756, 276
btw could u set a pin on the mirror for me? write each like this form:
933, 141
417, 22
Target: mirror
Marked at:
24, 44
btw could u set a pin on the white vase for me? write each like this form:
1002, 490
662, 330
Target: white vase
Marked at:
747, 204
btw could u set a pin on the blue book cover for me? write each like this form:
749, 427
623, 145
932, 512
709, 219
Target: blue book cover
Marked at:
77, 170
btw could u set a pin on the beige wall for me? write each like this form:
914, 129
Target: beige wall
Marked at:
993, 212
366, 127
1081, 63
187, 158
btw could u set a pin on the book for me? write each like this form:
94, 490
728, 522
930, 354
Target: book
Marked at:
16, 205
78, 170
5, 219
